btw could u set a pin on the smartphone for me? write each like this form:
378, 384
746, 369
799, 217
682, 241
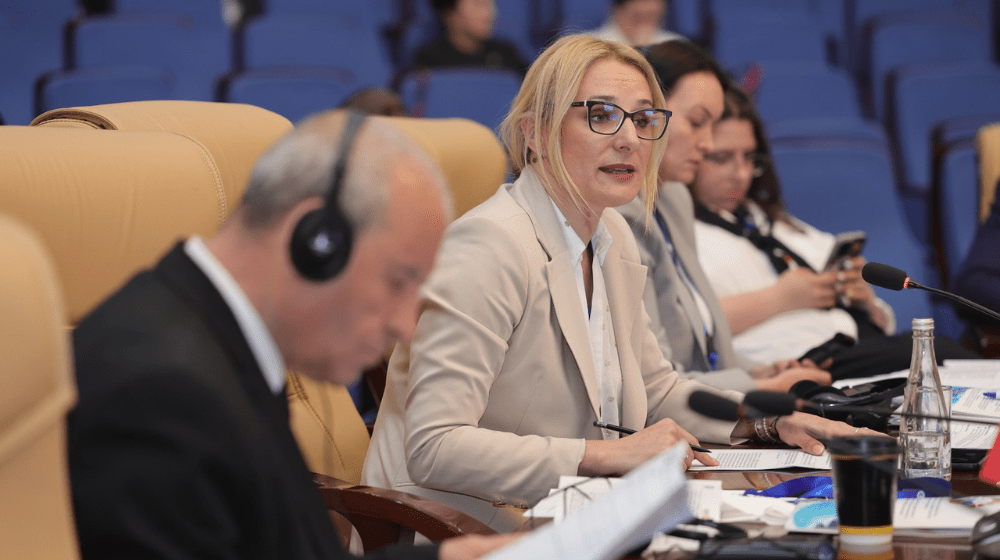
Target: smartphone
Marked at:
847, 245
828, 349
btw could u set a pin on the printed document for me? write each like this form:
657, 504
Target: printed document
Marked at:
763, 460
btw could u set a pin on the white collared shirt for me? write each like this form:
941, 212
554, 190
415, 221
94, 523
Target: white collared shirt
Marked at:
600, 329
261, 343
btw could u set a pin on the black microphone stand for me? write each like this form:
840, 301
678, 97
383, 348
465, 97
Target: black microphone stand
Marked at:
984, 310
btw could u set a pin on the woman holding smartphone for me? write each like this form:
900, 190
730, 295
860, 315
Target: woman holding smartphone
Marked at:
767, 267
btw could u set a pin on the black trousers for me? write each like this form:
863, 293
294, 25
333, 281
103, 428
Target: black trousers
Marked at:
874, 355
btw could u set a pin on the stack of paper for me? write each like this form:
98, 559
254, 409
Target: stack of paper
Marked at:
650, 499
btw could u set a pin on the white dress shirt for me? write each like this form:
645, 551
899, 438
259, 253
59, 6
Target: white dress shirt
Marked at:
258, 337
599, 327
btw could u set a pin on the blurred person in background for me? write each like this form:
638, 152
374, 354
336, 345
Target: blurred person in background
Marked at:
468, 39
684, 310
637, 22
979, 279
376, 101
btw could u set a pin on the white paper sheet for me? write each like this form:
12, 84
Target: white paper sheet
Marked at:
651, 498
971, 373
575, 492
972, 436
763, 459
957, 373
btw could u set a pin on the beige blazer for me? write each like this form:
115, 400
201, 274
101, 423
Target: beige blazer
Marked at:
495, 396
672, 309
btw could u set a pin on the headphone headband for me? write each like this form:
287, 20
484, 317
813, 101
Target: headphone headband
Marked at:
321, 243
351, 129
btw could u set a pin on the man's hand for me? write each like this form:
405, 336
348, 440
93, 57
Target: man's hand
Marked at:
473, 546
618, 456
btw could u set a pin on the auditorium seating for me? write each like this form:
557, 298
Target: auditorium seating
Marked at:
31, 33
480, 94
102, 85
922, 97
160, 40
802, 90
768, 37
957, 200
293, 92
892, 40
858, 12
583, 15
315, 40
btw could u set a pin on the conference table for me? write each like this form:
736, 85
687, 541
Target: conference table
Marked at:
964, 483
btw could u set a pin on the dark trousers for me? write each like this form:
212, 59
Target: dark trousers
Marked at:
874, 355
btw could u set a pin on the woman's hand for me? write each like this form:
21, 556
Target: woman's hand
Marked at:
806, 430
784, 380
802, 288
856, 292
618, 456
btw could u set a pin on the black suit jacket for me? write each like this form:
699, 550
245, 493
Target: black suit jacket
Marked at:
178, 449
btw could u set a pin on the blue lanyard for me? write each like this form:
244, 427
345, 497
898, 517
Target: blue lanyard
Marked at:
822, 487
712, 355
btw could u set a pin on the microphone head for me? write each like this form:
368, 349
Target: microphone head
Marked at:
884, 276
713, 406
771, 403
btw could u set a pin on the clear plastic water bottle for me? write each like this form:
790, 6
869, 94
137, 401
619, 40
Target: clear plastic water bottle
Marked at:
925, 442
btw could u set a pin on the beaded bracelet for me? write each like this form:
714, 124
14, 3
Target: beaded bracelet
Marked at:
766, 431
772, 429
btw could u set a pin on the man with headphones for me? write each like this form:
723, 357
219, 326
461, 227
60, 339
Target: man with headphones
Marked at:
179, 446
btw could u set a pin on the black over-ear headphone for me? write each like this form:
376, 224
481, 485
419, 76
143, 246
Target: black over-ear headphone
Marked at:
321, 242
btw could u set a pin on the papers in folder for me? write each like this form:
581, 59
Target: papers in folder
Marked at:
651, 498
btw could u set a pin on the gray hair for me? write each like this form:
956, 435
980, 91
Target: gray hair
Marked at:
300, 165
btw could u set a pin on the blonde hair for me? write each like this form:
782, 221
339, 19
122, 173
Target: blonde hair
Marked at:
549, 87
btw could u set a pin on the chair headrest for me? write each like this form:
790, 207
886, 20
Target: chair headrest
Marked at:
233, 133
469, 154
107, 204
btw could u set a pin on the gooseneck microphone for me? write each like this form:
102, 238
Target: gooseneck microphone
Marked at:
721, 408
771, 403
890, 278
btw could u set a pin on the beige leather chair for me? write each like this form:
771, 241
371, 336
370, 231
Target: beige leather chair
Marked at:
36, 519
110, 188
988, 151
234, 135
473, 161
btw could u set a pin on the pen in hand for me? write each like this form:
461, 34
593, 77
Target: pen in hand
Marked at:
627, 431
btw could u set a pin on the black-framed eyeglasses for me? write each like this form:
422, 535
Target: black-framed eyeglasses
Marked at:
751, 158
607, 118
